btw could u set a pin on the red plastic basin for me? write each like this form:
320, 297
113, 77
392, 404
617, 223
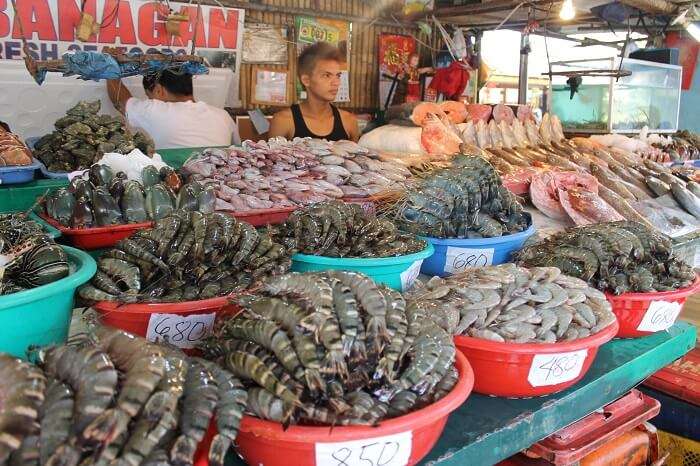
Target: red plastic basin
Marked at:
265, 442
642, 314
263, 217
521, 370
181, 329
98, 237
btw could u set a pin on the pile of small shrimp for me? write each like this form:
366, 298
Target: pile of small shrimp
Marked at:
334, 348
280, 173
186, 256
506, 303
113, 398
338, 229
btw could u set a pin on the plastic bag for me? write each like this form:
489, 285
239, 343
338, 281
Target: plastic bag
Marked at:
132, 163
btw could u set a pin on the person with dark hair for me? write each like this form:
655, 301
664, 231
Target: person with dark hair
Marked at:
319, 69
170, 115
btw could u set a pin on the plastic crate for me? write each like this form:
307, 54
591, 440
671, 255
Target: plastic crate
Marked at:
676, 416
680, 380
16, 198
681, 451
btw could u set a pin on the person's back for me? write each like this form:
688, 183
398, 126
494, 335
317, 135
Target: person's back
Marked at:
171, 116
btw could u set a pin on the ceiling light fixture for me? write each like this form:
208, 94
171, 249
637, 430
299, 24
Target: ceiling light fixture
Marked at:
567, 11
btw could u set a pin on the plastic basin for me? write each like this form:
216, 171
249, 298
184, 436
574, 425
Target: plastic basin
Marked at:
182, 324
455, 255
642, 314
23, 197
398, 272
17, 174
268, 443
96, 238
263, 217
41, 316
522, 370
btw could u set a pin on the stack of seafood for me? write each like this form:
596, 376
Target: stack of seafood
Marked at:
334, 349
465, 201
280, 173
507, 303
105, 198
114, 398
185, 256
616, 257
82, 137
337, 229
13, 152
28, 256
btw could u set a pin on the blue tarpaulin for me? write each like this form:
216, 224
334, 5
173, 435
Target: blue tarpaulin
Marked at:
96, 66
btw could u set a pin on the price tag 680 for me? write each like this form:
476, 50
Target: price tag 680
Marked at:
553, 369
181, 331
389, 450
459, 259
660, 316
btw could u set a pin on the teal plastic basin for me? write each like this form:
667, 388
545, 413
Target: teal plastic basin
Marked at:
398, 272
41, 316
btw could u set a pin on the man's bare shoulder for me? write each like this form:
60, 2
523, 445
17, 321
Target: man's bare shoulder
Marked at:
284, 114
347, 115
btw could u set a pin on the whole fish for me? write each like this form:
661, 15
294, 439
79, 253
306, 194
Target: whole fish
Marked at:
686, 199
659, 187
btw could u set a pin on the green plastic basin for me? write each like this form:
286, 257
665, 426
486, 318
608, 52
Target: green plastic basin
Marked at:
22, 197
176, 158
41, 316
398, 272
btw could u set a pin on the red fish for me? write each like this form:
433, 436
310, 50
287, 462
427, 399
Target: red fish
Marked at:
586, 208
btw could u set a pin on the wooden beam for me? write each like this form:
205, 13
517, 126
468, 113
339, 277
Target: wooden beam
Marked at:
310, 12
653, 6
487, 7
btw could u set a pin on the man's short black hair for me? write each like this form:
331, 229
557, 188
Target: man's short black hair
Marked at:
175, 82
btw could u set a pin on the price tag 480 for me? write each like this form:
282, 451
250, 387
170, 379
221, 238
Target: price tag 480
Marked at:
553, 369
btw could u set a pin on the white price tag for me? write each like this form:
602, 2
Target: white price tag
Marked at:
459, 259
409, 275
553, 369
389, 450
181, 331
660, 316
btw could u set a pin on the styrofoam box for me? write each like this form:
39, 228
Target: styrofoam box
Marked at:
31, 110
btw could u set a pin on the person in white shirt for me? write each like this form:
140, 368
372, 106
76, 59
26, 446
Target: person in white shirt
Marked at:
170, 115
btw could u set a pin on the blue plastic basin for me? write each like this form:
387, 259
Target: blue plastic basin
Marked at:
41, 316
454, 255
398, 272
17, 174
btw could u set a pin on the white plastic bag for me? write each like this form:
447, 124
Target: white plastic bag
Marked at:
132, 163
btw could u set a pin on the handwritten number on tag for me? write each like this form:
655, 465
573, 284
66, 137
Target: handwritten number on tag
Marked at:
390, 450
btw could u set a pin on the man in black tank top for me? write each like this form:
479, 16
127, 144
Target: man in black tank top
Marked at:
319, 71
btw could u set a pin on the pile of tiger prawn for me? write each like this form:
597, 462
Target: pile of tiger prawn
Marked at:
186, 256
337, 229
334, 348
113, 398
615, 256
28, 256
467, 200
506, 303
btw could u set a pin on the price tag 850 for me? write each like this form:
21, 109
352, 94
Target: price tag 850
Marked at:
181, 331
389, 450
553, 369
459, 259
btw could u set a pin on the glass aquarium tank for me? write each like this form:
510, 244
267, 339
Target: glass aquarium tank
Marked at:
650, 97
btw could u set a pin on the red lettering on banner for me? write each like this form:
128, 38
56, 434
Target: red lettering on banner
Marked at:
69, 16
152, 32
4, 19
36, 18
221, 30
119, 23
187, 31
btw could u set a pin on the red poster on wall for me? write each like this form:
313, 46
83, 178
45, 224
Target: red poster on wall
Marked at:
395, 51
687, 54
